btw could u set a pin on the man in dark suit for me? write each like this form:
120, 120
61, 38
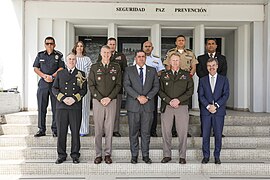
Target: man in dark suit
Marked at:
213, 94
141, 84
211, 46
201, 69
69, 87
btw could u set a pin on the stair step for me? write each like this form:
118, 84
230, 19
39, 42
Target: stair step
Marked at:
128, 169
260, 119
88, 154
194, 130
123, 142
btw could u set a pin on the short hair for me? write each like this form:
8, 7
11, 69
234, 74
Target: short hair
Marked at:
71, 53
180, 36
75, 46
49, 38
211, 39
105, 47
174, 54
138, 51
111, 39
212, 60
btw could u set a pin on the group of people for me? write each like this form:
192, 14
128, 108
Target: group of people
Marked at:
70, 84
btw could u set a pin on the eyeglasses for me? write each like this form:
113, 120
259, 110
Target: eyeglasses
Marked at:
49, 44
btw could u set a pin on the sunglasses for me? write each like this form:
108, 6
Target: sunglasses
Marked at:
49, 43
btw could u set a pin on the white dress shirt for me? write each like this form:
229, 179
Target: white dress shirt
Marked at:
144, 71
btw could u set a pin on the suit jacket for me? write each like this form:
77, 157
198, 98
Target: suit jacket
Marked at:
134, 88
201, 69
219, 96
69, 85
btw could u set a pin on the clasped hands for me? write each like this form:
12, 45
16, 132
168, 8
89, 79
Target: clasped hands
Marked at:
212, 108
175, 103
142, 99
69, 101
48, 78
105, 101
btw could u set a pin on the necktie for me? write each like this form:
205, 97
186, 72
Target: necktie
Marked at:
106, 66
212, 83
141, 75
175, 73
211, 55
70, 71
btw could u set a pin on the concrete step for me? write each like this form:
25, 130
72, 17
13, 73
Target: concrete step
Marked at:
194, 130
47, 167
123, 142
261, 119
88, 154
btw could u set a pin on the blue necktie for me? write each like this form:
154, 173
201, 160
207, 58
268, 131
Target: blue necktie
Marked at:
141, 75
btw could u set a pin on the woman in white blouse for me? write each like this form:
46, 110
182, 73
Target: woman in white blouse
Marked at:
84, 64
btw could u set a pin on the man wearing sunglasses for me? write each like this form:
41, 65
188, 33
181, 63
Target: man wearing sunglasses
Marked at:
46, 66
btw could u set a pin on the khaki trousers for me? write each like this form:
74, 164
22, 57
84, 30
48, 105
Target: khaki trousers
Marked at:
104, 123
181, 122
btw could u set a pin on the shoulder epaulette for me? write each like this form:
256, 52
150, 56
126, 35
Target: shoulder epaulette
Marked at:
58, 52
189, 50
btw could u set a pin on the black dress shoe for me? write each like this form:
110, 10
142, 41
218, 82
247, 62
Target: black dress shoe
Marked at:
54, 134
166, 159
108, 159
205, 160
134, 160
116, 134
154, 134
217, 161
60, 160
188, 135
147, 160
39, 134
98, 160
76, 160
182, 161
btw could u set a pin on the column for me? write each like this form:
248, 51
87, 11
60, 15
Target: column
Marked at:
70, 36
242, 68
267, 57
60, 35
156, 39
112, 30
257, 89
198, 49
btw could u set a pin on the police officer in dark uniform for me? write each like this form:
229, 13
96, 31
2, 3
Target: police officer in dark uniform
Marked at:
105, 82
120, 59
69, 87
46, 65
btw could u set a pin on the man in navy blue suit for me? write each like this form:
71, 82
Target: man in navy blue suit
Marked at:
213, 94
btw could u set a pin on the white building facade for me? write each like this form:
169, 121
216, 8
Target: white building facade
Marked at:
243, 27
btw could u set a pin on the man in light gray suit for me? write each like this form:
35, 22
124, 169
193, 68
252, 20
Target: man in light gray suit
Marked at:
141, 84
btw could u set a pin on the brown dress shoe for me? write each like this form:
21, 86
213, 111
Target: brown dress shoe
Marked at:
108, 159
166, 159
98, 160
182, 161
